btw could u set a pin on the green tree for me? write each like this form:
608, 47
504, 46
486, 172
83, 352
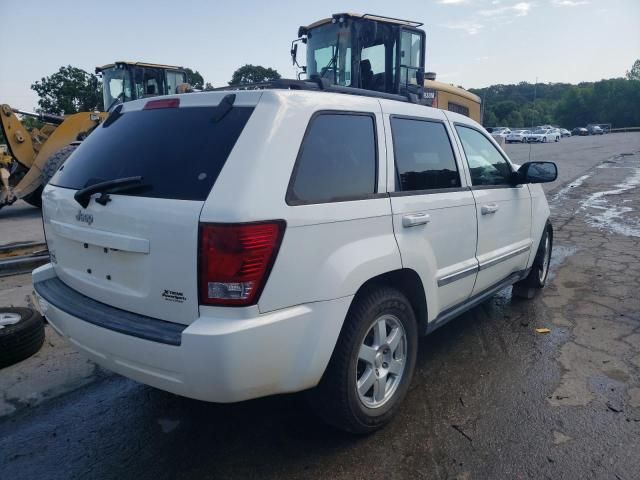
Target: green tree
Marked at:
634, 73
194, 78
208, 87
69, 90
253, 74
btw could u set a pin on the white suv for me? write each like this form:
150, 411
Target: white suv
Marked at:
227, 246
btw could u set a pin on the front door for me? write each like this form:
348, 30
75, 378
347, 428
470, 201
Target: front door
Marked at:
503, 210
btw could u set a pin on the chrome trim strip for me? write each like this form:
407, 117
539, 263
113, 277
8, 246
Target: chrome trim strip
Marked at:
506, 256
452, 277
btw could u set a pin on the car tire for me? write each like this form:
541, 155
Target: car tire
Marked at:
21, 334
544, 139
524, 140
359, 391
537, 277
54, 162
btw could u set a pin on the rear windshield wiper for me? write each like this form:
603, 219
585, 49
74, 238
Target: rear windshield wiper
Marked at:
83, 196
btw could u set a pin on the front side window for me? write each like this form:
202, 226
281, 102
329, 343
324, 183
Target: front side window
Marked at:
486, 164
423, 155
337, 160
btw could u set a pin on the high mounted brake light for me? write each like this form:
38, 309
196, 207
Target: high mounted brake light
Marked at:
235, 261
163, 103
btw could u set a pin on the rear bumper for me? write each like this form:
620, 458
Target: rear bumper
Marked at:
226, 355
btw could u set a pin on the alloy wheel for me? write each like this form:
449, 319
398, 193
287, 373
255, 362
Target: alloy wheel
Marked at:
381, 361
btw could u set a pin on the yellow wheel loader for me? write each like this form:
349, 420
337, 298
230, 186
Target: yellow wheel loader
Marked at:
34, 156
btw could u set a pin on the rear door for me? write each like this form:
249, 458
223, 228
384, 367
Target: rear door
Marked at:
503, 210
433, 209
137, 250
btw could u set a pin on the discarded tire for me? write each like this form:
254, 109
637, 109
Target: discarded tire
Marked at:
21, 334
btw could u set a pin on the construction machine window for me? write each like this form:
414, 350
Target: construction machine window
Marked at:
410, 55
149, 82
117, 87
173, 80
329, 54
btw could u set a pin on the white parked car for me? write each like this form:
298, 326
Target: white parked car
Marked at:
543, 136
227, 246
500, 132
517, 136
564, 132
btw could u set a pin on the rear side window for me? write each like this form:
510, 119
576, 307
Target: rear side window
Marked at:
423, 155
179, 152
337, 160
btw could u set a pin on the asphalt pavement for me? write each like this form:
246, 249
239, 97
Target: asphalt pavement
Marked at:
491, 397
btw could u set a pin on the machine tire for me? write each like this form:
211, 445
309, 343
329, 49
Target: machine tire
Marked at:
54, 162
336, 399
34, 198
21, 339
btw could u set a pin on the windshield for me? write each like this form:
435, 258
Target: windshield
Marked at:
116, 86
539, 132
329, 53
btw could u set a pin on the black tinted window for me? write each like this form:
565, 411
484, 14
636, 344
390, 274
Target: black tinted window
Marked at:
423, 154
337, 160
179, 152
486, 165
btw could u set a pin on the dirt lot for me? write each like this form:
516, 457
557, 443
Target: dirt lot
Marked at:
491, 397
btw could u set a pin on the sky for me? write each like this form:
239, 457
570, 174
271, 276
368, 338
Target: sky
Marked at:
472, 43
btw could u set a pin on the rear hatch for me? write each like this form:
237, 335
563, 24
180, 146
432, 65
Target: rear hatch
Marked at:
137, 250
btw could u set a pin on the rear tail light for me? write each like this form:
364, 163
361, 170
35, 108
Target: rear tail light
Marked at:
235, 261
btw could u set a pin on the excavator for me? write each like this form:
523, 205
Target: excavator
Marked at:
32, 157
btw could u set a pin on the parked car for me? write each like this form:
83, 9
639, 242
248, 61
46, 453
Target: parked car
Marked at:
543, 136
564, 132
500, 132
595, 130
580, 131
282, 256
517, 136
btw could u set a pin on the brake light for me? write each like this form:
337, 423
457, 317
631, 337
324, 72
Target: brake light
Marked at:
235, 261
163, 103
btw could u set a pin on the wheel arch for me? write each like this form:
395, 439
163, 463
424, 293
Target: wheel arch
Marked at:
408, 282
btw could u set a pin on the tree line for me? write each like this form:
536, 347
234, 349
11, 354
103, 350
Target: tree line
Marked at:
612, 101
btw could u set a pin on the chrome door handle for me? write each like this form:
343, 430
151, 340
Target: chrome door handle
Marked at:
489, 209
414, 219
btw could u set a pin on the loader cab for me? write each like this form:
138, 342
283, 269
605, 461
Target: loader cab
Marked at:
126, 81
365, 51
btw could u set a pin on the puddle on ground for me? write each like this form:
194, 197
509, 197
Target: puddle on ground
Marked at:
559, 255
606, 213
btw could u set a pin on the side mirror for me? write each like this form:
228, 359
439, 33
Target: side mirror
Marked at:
537, 172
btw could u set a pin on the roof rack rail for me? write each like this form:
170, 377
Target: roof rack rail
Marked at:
320, 85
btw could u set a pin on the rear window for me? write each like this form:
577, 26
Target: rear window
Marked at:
179, 152
337, 160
